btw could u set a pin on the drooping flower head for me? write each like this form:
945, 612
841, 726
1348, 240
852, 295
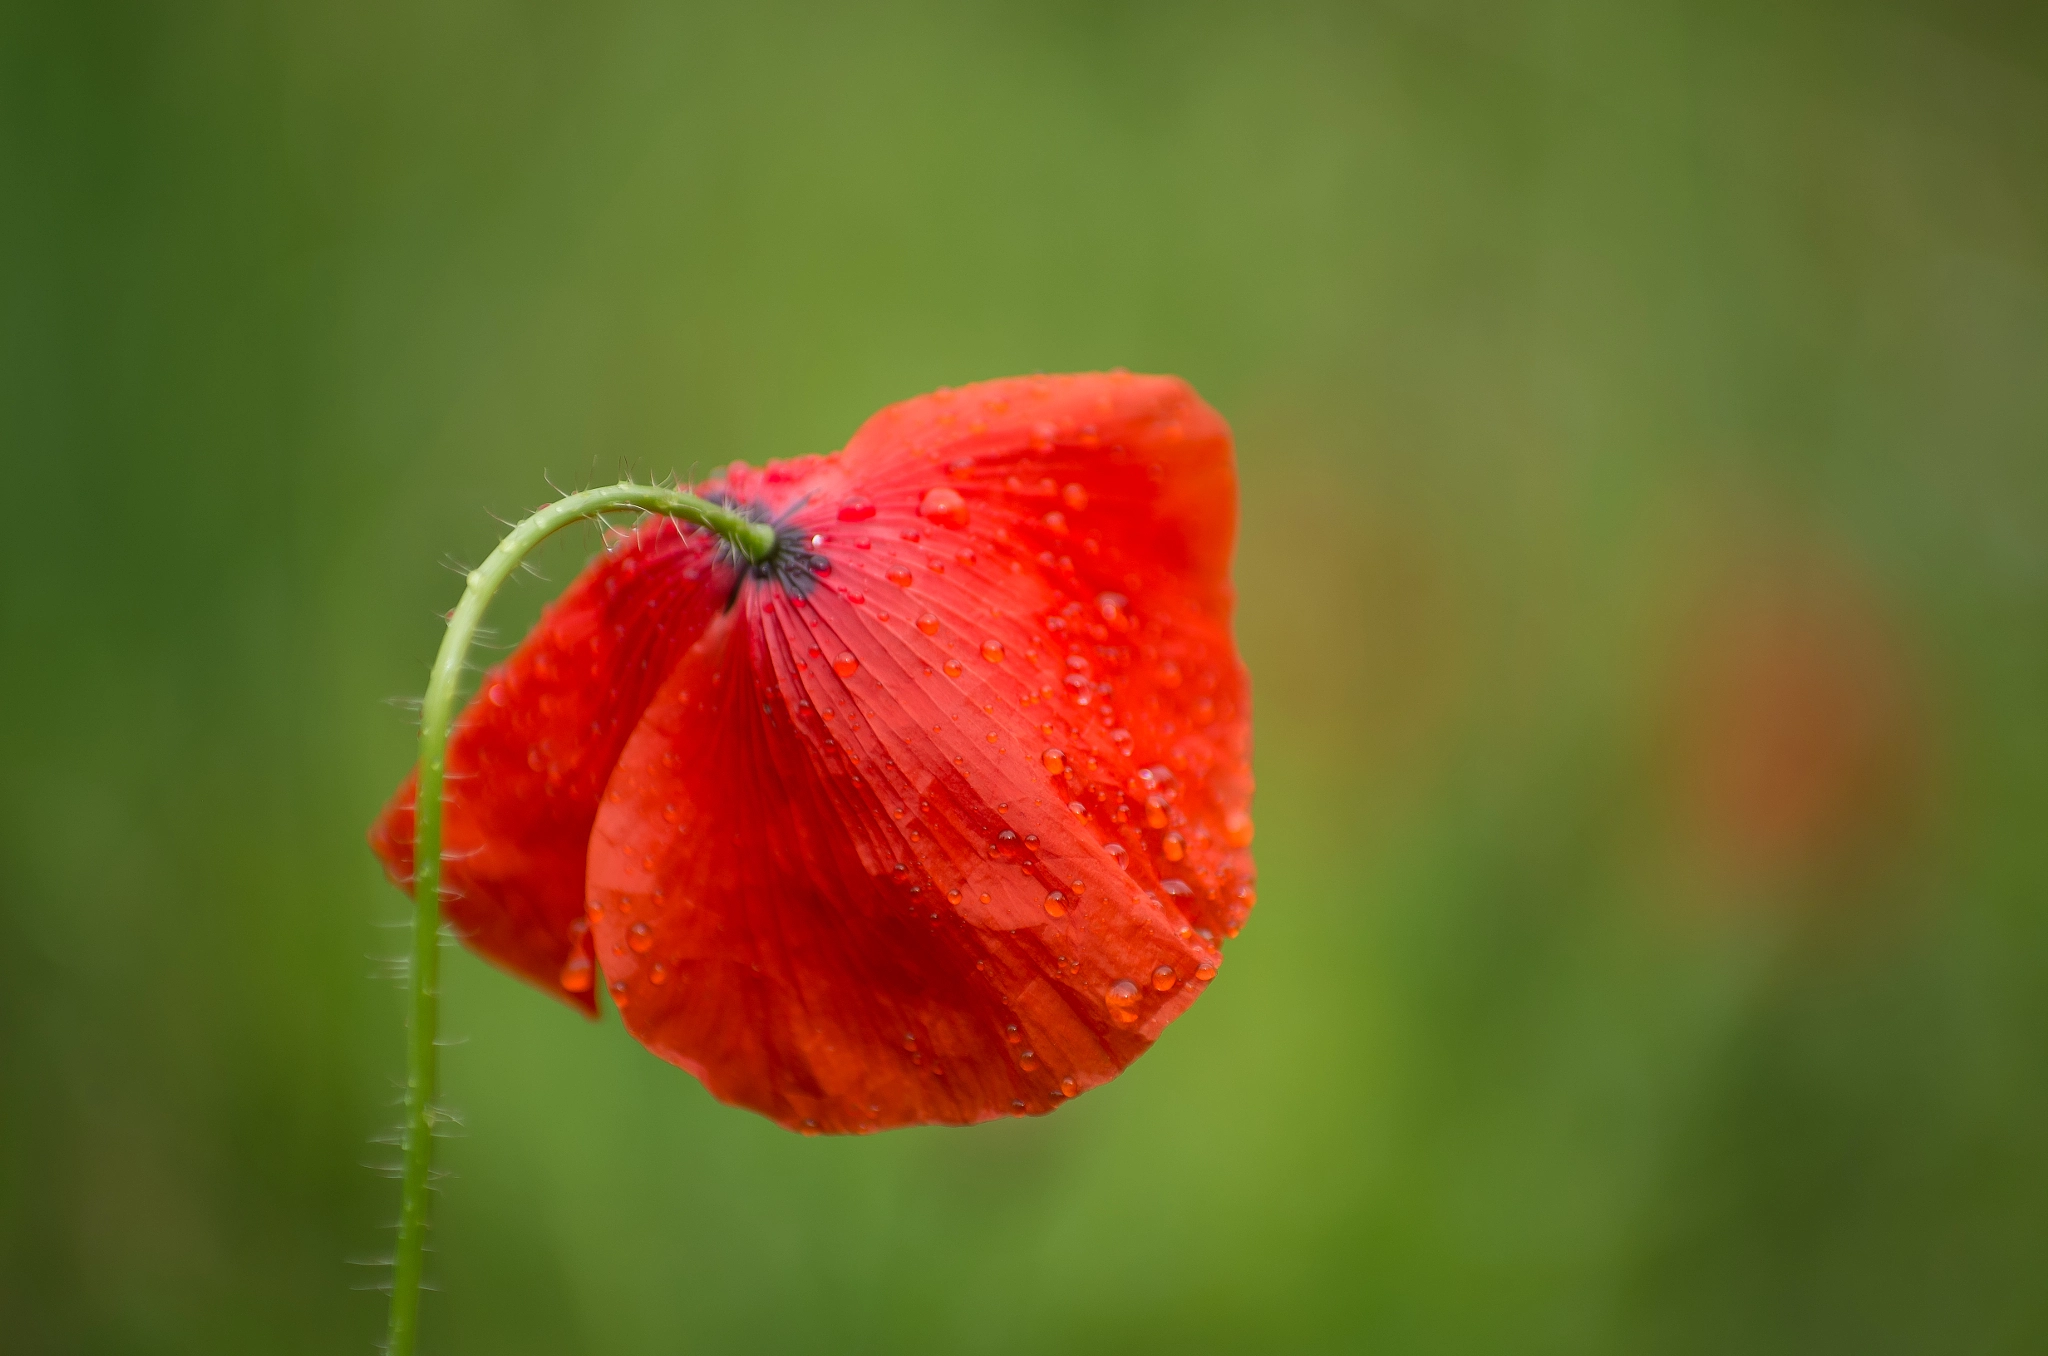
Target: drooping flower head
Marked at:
941, 814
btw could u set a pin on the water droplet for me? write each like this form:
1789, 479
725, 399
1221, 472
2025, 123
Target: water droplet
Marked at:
992, 651
619, 993
1162, 978
1237, 829
1176, 887
1056, 904
1054, 760
846, 665
1122, 994
1028, 1059
952, 668
1077, 807
1068, 1087
1011, 1034
576, 974
1075, 496
640, 937
899, 576
960, 469
820, 565
1117, 854
856, 509
1169, 674
953, 895
1174, 846
928, 624
1155, 812
1006, 848
500, 694
659, 974
1057, 521
944, 506
1205, 972
992, 736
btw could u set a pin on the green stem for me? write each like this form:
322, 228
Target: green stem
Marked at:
755, 541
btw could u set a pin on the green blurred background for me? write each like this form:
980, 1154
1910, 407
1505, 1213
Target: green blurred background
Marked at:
1643, 417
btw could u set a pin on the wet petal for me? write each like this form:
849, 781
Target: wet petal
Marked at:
845, 870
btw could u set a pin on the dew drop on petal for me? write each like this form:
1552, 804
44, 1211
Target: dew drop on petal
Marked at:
1174, 846
899, 576
1122, 994
952, 668
855, 509
1179, 888
576, 974
1117, 853
928, 624
1075, 497
658, 975
1237, 829
640, 937
992, 651
1056, 904
1055, 761
944, 506
1155, 812
619, 993
1162, 978
1029, 1059
1068, 1087
1205, 972
846, 665
1011, 1034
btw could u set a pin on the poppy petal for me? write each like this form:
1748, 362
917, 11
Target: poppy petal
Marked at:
950, 832
530, 755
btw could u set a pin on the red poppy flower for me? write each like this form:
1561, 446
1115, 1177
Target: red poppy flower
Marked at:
939, 815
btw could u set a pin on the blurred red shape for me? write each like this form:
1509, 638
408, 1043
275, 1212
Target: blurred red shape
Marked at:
1800, 737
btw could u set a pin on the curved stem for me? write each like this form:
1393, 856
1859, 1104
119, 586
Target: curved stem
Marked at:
755, 541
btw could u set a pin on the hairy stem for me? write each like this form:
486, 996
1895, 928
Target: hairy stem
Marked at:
756, 542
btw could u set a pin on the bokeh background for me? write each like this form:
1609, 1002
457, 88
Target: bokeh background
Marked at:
1643, 417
